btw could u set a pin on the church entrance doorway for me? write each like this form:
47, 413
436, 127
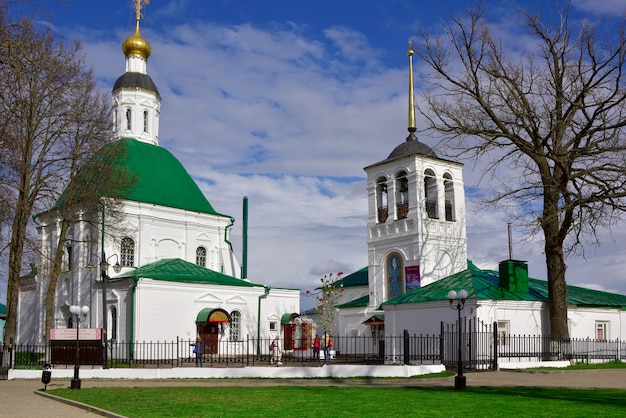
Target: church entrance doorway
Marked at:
210, 326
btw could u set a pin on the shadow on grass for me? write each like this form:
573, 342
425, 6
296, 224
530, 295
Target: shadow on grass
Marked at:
615, 397
600, 396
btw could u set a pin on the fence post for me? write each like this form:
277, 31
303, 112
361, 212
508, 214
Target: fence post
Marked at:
247, 349
441, 344
495, 346
406, 347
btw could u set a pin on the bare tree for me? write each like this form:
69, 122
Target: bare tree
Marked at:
52, 120
552, 114
328, 295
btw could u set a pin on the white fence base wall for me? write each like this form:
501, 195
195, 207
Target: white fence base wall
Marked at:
532, 364
331, 370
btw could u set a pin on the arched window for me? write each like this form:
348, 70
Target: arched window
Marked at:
67, 257
402, 195
127, 252
235, 326
430, 194
145, 121
65, 288
129, 114
113, 323
201, 256
381, 199
395, 276
448, 186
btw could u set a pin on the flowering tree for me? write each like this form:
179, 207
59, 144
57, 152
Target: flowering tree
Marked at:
327, 296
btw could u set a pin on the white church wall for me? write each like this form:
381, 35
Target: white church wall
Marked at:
418, 318
584, 323
163, 232
166, 310
521, 317
28, 320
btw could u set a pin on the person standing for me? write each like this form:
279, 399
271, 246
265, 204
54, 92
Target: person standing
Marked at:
275, 351
328, 345
316, 348
198, 349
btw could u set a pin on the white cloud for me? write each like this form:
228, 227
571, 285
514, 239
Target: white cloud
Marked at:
604, 7
288, 120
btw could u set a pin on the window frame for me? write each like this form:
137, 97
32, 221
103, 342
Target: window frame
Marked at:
504, 333
235, 326
201, 259
127, 252
129, 119
146, 120
382, 200
602, 330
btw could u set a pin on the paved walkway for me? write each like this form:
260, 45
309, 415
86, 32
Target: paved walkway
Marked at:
19, 400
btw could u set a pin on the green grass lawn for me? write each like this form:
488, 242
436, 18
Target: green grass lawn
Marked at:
333, 401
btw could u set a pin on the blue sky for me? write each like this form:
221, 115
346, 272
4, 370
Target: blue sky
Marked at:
286, 101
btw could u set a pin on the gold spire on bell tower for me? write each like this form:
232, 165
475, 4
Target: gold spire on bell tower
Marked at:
136, 44
412, 127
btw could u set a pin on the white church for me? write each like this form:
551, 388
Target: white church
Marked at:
173, 275
417, 253
169, 271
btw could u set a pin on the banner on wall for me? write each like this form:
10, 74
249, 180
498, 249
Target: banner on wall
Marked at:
412, 277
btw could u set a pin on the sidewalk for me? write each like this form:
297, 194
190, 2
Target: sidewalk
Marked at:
19, 400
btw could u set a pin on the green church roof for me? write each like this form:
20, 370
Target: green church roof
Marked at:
356, 303
484, 284
3, 311
153, 175
161, 178
358, 278
177, 270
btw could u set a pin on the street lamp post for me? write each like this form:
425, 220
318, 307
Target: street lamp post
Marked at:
457, 302
77, 311
104, 268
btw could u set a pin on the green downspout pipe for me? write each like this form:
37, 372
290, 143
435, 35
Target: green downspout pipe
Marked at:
232, 222
244, 261
258, 326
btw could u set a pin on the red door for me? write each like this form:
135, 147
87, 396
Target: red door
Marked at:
209, 334
288, 336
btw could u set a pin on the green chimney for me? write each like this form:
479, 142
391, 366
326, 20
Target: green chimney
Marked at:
514, 276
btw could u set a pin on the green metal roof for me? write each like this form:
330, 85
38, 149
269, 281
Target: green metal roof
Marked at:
177, 270
3, 311
156, 176
287, 318
484, 284
161, 178
356, 303
358, 278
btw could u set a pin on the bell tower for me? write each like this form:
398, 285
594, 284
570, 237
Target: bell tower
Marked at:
416, 216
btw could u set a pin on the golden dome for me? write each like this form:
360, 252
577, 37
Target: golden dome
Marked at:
136, 45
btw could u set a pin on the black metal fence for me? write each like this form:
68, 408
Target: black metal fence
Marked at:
482, 347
